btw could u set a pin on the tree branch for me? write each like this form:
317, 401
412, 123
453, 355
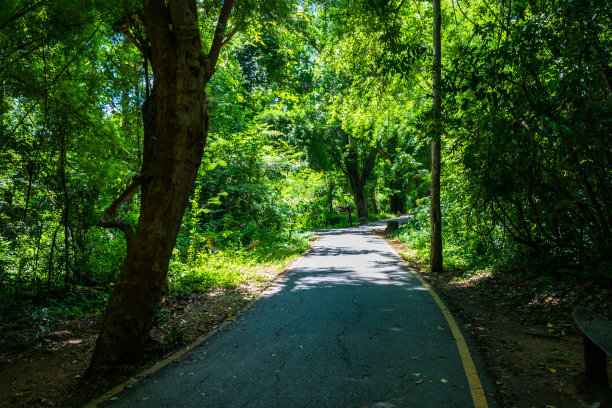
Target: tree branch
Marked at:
124, 226
106, 219
229, 36
220, 38
130, 30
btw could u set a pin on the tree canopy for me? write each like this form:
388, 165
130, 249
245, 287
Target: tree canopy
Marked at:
149, 133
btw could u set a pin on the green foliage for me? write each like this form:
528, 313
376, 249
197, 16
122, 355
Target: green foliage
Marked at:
314, 107
526, 169
66, 127
228, 268
532, 120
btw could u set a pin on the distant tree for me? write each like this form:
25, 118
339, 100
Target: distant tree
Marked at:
355, 156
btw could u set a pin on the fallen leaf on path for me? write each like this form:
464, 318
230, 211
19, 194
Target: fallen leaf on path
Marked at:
421, 381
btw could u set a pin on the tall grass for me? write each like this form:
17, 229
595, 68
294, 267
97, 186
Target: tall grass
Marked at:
229, 267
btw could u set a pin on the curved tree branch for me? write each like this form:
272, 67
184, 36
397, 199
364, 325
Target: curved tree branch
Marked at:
220, 38
106, 219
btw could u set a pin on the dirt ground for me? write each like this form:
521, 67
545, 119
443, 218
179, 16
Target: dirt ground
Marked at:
525, 335
49, 372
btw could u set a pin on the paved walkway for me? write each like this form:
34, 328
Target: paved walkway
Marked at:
349, 327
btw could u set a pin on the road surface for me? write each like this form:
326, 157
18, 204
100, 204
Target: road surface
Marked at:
350, 326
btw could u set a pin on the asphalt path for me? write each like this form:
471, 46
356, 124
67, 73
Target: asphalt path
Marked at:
350, 326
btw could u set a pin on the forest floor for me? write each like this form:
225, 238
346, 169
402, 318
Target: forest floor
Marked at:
48, 371
524, 332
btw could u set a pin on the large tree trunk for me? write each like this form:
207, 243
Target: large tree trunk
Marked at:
173, 152
358, 192
435, 252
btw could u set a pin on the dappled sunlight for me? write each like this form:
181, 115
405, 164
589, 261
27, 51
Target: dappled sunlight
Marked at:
326, 264
275, 289
327, 277
332, 278
335, 277
340, 250
474, 279
326, 280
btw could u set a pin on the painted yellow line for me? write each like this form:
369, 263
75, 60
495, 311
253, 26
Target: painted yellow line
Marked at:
478, 394
160, 364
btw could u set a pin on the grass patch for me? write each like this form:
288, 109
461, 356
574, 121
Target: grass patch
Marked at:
417, 244
228, 268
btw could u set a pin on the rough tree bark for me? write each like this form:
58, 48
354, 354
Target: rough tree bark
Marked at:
174, 140
435, 252
357, 190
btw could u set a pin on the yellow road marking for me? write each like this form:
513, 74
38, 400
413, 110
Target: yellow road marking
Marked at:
164, 362
478, 394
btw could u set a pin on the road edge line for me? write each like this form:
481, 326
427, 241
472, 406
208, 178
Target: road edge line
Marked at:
478, 394
177, 354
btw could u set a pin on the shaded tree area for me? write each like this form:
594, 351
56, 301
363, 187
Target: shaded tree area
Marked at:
68, 106
138, 140
536, 145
